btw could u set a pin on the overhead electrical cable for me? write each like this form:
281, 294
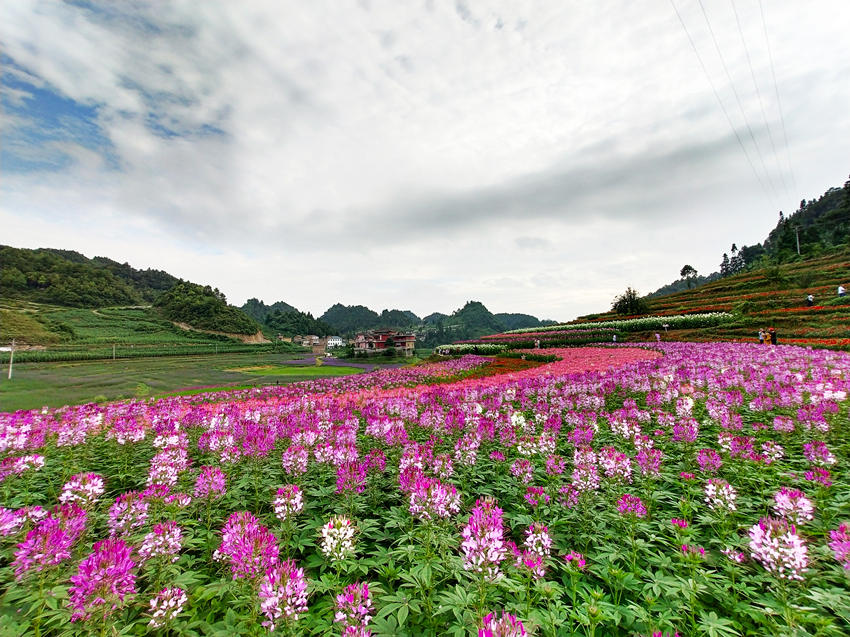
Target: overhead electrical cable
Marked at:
737, 96
719, 101
761, 101
778, 100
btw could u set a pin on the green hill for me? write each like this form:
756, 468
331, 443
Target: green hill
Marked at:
205, 308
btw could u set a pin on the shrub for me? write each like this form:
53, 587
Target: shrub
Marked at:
630, 303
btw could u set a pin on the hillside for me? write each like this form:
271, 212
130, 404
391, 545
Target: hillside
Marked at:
773, 296
205, 308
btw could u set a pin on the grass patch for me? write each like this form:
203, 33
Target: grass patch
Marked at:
54, 384
308, 371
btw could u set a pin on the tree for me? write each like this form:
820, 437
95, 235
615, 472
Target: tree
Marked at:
630, 302
724, 265
688, 273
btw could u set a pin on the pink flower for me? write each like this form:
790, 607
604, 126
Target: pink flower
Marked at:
128, 513
840, 545
483, 542
682, 524
709, 460
575, 560
283, 593
104, 578
249, 547
776, 545
288, 502
354, 609
538, 540
211, 483
522, 469
818, 474
535, 496
166, 605
506, 625
50, 542
430, 499
83, 488
720, 495
164, 541
616, 464
631, 505
793, 505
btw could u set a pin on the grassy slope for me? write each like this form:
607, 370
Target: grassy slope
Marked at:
55, 384
770, 297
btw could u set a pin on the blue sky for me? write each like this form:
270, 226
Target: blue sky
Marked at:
536, 156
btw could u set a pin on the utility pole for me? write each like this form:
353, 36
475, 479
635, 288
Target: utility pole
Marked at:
797, 232
11, 358
113, 351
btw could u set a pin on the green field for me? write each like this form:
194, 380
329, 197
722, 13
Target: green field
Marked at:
35, 385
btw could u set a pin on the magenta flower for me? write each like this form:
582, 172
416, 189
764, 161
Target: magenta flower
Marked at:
535, 496
16, 465
354, 609
128, 513
630, 505
679, 523
649, 461
819, 475
211, 483
351, 476
575, 560
249, 547
50, 542
709, 460
104, 579
776, 545
506, 625
283, 593
840, 545
818, 453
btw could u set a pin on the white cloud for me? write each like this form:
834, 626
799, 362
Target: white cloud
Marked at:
536, 156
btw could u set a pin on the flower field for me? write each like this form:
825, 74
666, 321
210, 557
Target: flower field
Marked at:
690, 488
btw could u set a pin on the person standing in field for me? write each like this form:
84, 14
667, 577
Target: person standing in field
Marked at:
761, 336
810, 300
841, 290
772, 333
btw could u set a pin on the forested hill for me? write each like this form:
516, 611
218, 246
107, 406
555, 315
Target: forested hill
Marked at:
469, 321
65, 277
821, 225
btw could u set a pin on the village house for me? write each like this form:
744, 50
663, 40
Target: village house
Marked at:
377, 341
335, 341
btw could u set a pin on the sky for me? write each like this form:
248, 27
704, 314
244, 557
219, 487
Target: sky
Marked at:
538, 157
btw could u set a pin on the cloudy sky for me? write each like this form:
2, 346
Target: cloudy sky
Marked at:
536, 156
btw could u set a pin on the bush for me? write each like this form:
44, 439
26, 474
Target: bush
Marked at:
630, 303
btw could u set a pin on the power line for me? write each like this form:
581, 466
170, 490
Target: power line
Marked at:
737, 96
717, 96
778, 101
758, 93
